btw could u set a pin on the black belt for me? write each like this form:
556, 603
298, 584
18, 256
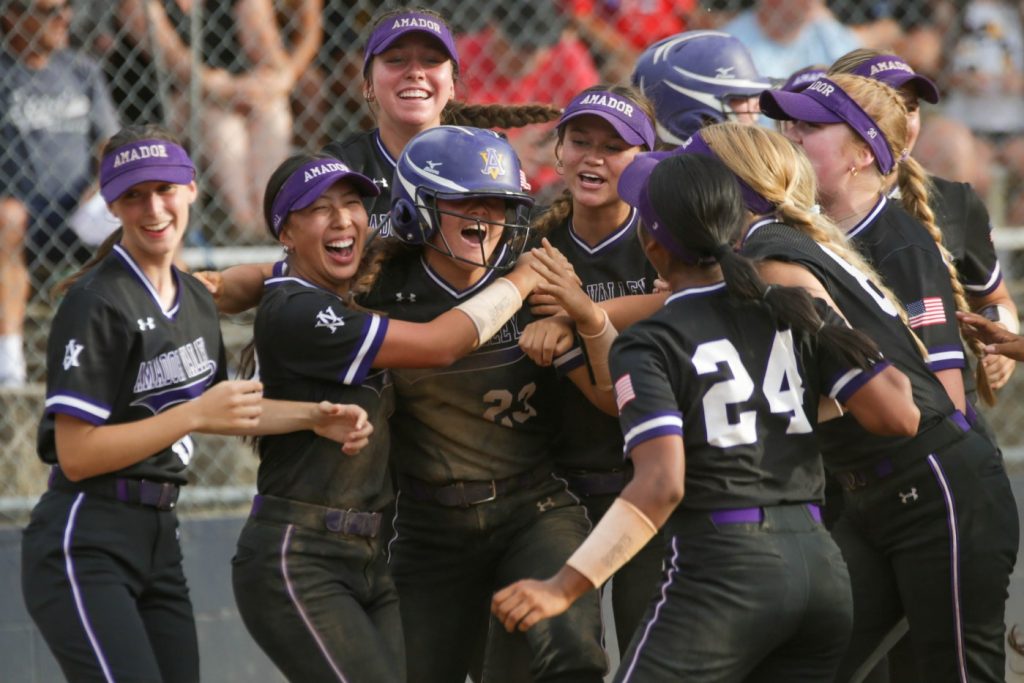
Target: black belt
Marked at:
317, 517
948, 431
468, 493
597, 482
161, 495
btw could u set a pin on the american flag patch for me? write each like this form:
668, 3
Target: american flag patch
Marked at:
927, 311
623, 391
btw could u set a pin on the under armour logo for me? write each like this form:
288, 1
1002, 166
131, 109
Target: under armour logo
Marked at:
432, 167
381, 182
725, 72
71, 353
545, 505
411, 298
146, 324
908, 497
329, 319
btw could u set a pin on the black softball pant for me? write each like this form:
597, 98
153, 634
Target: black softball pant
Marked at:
103, 581
447, 563
764, 602
320, 604
936, 541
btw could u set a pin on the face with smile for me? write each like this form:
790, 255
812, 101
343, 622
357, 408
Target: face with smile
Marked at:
471, 229
154, 216
593, 157
411, 82
327, 237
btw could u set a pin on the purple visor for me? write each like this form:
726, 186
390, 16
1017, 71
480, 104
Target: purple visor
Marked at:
893, 71
397, 26
633, 190
144, 161
305, 185
754, 202
825, 102
628, 119
803, 78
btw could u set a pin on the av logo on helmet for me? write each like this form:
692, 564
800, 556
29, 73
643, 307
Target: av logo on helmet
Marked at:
494, 163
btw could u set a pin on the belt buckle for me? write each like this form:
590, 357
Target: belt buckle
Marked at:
469, 503
167, 498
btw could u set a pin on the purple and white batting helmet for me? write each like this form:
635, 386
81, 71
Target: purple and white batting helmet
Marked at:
691, 76
457, 163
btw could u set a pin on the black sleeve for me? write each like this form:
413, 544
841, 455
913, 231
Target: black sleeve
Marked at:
648, 407
979, 269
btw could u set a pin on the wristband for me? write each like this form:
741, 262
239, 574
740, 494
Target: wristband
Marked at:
490, 309
598, 346
998, 313
622, 533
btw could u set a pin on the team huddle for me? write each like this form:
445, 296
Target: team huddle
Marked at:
724, 367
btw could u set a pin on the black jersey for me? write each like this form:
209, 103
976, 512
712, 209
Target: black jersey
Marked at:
845, 444
312, 347
488, 416
967, 233
910, 263
589, 439
366, 153
740, 390
116, 355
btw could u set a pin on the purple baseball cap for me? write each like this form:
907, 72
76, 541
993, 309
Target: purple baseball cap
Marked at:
630, 121
633, 185
803, 78
895, 72
305, 185
397, 26
825, 102
144, 161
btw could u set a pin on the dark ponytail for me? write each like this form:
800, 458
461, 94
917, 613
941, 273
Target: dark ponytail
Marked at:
699, 201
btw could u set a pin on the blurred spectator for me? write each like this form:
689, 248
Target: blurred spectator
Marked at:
55, 110
905, 27
987, 70
245, 82
526, 53
786, 35
619, 30
948, 149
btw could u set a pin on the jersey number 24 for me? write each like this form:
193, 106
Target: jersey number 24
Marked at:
782, 386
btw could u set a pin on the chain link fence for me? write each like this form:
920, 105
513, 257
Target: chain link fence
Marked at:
246, 82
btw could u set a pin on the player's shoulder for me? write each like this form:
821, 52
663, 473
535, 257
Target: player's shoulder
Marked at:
355, 150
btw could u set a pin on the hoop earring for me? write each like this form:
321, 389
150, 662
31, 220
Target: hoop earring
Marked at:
853, 171
369, 97
559, 167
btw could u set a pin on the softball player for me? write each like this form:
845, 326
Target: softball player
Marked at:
928, 532
309, 576
134, 363
599, 133
410, 67
959, 212
742, 364
477, 503
699, 77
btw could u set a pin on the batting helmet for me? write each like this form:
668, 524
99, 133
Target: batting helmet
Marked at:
458, 163
691, 76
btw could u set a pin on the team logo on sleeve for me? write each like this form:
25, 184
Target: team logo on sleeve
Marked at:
494, 163
624, 391
329, 319
71, 353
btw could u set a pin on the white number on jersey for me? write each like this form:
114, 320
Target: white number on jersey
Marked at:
503, 412
864, 282
782, 387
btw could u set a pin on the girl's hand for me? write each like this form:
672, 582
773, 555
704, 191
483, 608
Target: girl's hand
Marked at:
997, 339
347, 424
229, 407
661, 286
562, 284
544, 340
524, 603
213, 281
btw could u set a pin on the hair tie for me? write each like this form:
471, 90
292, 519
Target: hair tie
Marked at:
904, 155
721, 250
